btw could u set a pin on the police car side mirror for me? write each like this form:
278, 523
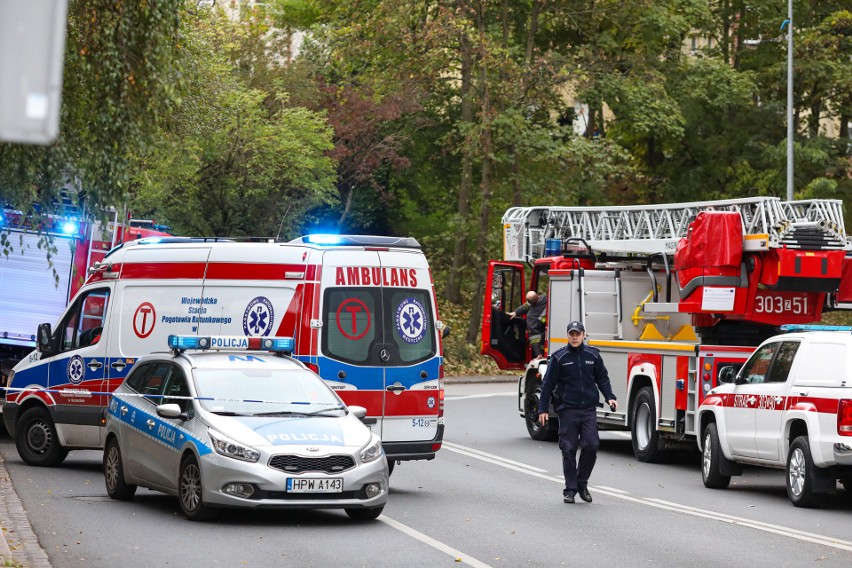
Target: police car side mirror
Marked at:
359, 411
43, 338
170, 410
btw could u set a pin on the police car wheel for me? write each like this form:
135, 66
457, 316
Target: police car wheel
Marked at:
36, 439
801, 475
116, 487
190, 492
711, 460
643, 428
364, 514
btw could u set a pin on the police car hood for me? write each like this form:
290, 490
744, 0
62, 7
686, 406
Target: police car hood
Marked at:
293, 430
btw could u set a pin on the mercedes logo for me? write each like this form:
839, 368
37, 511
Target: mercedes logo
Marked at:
385, 355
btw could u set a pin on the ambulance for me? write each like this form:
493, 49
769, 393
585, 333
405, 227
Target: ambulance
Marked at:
362, 311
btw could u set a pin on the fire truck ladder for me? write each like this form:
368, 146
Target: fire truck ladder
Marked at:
655, 229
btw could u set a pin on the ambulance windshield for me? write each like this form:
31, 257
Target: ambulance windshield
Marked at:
378, 326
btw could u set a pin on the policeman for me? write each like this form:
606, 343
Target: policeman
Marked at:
574, 375
536, 309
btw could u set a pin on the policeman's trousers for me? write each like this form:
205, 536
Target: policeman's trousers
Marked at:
578, 429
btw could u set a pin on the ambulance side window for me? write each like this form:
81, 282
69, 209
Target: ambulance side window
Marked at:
83, 325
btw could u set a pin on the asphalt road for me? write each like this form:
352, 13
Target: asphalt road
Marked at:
492, 497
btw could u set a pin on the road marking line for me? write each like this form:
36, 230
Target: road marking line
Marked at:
457, 554
478, 453
658, 503
486, 395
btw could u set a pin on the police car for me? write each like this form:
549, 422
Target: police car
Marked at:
235, 422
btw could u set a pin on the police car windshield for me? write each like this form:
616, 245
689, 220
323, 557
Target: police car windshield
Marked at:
263, 391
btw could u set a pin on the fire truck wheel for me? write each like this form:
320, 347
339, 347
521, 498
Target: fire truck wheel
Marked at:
643, 428
116, 487
536, 431
711, 459
801, 474
37, 440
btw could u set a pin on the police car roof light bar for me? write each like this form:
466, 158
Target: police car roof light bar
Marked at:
793, 328
232, 342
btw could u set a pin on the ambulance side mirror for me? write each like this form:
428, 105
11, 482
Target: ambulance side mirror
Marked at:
445, 332
727, 374
43, 339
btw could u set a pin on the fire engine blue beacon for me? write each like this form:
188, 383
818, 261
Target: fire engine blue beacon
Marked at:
411, 320
258, 317
75, 370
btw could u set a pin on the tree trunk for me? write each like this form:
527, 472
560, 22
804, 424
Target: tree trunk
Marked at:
453, 288
485, 186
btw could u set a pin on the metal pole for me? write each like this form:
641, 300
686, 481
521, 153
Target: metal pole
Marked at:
790, 117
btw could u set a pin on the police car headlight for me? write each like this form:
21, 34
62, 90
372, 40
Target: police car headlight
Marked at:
232, 449
372, 451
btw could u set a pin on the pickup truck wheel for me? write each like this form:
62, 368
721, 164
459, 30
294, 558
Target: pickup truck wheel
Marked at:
643, 428
536, 431
801, 474
711, 458
37, 440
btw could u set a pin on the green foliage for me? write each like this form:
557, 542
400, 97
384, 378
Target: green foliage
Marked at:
234, 160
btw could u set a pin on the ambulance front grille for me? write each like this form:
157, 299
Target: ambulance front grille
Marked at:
299, 464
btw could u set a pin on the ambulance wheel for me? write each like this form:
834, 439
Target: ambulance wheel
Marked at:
643, 428
190, 492
711, 460
37, 440
116, 487
365, 514
547, 433
801, 474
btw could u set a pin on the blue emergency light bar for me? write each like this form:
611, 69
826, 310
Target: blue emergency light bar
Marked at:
232, 342
792, 328
357, 241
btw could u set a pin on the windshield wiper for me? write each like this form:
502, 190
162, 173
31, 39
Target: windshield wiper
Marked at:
299, 413
229, 413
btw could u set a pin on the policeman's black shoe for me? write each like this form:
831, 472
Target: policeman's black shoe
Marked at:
585, 495
567, 497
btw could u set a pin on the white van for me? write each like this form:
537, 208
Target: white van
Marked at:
361, 308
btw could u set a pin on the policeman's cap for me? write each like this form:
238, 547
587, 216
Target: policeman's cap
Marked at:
576, 326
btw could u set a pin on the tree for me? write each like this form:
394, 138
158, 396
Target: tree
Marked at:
234, 161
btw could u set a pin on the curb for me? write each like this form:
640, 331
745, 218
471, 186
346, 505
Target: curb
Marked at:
18, 543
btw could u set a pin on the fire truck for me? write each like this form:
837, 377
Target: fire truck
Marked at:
36, 288
670, 294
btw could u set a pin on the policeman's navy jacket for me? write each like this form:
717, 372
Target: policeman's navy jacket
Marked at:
574, 376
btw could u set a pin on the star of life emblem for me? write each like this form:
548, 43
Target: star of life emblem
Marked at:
411, 320
258, 317
76, 370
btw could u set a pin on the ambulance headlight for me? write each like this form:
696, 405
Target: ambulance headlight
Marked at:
232, 449
372, 451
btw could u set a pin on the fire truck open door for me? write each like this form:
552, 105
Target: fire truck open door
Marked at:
503, 337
